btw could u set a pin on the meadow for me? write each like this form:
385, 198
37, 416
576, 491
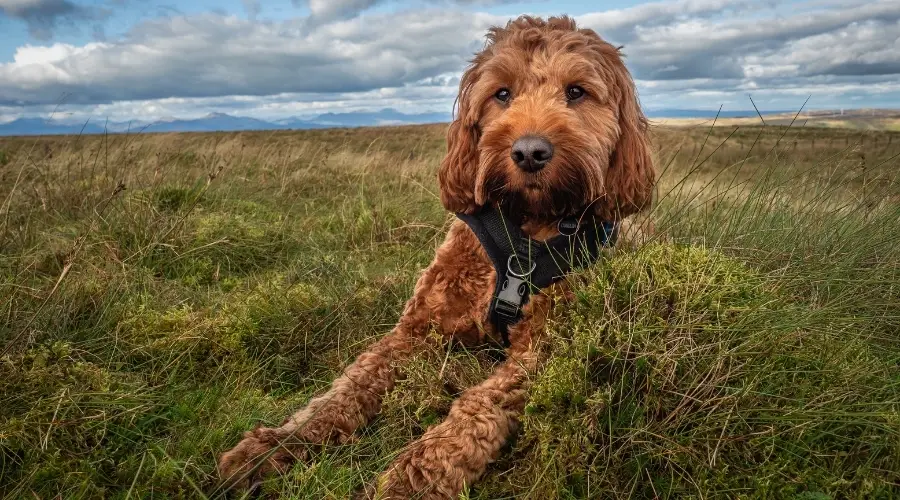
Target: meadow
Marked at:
162, 293
859, 119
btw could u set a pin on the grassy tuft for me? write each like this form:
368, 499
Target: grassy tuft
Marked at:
693, 384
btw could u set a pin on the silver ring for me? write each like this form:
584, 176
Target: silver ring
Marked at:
510, 271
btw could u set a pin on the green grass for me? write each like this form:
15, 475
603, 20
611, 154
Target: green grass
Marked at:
161, 294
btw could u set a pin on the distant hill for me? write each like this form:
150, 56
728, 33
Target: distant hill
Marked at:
363, 118
213, 122
860, 119
40, 126
220, 122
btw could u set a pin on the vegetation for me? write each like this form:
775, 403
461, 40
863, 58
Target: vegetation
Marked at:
860, 119
161, 294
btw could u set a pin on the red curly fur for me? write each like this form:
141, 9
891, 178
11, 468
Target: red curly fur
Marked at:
601, 167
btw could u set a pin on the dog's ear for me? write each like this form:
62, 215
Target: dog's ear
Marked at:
456, 176
630, 179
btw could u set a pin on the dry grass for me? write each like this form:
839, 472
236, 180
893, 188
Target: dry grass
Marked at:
161, 293
859, 119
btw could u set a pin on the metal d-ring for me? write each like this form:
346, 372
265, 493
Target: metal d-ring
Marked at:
517, 275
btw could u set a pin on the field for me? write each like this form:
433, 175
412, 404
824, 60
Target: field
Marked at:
160, 294
860, 119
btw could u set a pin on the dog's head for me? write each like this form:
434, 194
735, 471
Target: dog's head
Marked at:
547, 123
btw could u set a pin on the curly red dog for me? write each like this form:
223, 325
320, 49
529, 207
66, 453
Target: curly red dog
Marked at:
548, 126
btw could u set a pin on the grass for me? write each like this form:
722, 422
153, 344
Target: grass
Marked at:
859, 119
160, 294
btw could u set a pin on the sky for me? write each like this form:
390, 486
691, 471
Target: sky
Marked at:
147, 59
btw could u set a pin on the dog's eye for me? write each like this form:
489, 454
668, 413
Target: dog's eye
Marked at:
574, 92
503, 95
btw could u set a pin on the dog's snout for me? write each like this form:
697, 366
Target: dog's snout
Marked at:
532, 152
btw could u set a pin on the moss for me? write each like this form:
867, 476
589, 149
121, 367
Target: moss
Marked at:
215, 247
57, 414
173, 199
655, 384
181, 333
430, 384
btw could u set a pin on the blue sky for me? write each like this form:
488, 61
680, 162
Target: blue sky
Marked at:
145, 60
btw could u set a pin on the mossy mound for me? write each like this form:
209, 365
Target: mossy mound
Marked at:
680, 372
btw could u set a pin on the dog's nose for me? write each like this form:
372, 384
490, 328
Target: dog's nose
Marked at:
532, 152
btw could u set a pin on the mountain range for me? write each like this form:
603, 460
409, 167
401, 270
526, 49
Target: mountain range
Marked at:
225, 122
218, 122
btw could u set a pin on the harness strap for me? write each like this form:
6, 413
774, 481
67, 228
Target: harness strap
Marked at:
525, 266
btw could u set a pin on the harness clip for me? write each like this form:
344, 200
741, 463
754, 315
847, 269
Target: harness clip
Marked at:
508, 302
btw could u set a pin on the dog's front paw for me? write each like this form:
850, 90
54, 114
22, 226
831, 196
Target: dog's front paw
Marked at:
432, 468
262, 453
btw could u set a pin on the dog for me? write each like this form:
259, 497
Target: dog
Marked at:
548, 127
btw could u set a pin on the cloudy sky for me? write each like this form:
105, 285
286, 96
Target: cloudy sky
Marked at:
148, 59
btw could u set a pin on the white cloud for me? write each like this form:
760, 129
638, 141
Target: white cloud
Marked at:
214, 55
43, 16
657, 13
684, 53
323, 11
724, 46
327, 10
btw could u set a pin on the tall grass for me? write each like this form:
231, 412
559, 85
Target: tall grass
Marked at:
160, 294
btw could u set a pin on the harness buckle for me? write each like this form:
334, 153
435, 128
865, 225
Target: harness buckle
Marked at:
508, 302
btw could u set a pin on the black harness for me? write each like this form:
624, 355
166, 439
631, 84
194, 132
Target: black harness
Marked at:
525, 266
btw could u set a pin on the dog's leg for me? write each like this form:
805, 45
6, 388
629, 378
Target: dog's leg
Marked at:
457, 451
441, 300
